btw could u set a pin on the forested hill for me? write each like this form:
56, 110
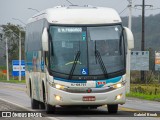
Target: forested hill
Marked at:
152, 31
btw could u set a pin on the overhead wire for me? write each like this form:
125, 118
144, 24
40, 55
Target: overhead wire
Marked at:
145, 9
70, 2
123, 10
126, 8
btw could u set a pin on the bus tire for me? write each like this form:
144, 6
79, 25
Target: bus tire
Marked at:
112, 108
49, 109
42, 105
34, 104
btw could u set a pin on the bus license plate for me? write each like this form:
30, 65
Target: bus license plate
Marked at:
89, 98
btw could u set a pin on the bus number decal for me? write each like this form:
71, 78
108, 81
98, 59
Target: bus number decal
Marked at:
78, 84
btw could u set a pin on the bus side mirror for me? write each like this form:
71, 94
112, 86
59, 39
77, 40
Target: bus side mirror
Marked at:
45, 39
130, 38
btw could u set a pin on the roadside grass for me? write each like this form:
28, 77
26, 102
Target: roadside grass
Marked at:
144, 96
145, 91
13, 81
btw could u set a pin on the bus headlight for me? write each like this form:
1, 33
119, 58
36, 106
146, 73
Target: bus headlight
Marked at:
118, 97
58, 98
118, 85
58, 86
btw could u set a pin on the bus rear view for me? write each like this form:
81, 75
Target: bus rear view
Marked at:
79, 58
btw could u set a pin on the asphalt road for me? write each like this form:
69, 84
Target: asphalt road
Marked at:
15, 95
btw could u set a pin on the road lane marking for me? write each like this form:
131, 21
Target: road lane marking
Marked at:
28, 109
128, 109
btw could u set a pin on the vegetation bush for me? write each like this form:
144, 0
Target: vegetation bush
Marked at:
145, 91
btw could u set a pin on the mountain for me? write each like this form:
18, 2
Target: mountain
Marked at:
152, 31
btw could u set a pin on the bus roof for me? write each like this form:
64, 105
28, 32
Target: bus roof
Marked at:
78, 15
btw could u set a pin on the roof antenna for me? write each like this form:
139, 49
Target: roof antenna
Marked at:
69, 2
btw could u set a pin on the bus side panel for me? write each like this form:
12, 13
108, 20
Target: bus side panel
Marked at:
34, 59
34, 72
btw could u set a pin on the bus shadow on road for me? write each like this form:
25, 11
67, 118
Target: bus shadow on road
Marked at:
72, 112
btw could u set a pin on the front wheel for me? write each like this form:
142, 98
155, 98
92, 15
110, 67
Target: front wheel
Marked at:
34, 104
49, 109
42, 105
112, 108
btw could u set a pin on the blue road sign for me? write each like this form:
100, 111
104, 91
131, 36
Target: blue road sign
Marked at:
16, 68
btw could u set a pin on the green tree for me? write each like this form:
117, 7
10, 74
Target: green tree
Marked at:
11, 33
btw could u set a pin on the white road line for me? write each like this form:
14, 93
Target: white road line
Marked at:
28, 109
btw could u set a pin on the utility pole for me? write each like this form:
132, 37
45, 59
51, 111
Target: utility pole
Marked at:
130, 14
19, 55
7, 59
143, 34
129, 51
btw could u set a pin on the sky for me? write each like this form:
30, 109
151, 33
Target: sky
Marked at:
18, 9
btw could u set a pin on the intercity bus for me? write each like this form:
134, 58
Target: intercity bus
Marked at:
76, 56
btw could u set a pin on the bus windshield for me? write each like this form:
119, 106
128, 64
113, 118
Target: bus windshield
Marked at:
87, 51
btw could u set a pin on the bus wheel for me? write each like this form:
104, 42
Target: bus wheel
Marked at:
49, 109
112, 108
34, 104
42, 105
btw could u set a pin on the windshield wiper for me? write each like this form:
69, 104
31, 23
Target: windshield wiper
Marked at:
98, 55
74, 65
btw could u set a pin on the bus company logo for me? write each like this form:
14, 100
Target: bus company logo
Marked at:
89, 90
101, 83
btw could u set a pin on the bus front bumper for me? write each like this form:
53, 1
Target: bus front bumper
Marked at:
59, 97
